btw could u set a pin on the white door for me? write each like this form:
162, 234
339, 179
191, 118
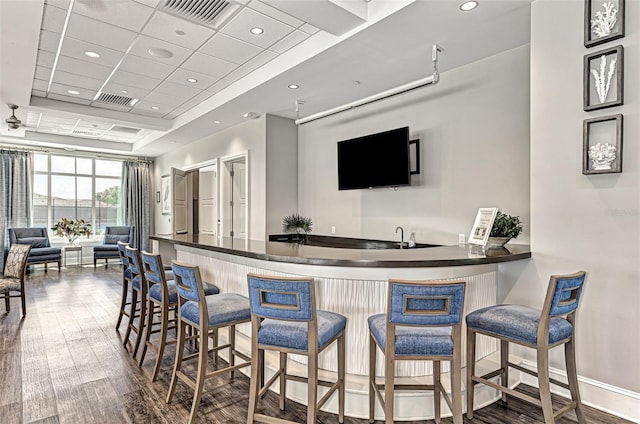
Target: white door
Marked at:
179, 205
208, 200
239, 200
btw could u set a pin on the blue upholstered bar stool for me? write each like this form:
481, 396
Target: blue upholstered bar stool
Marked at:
161, 294
284, 319
126, 281
423, 322
206, 314
541, 330
138, 299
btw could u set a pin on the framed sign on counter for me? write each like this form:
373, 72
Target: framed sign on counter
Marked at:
482, 226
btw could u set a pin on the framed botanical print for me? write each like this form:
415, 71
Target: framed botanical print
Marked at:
603, 78
602, 145
603, 21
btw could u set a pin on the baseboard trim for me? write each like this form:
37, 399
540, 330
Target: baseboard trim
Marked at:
605, 397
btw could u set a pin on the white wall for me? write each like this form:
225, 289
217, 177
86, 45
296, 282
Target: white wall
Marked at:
474, 132
249, 136
577, 221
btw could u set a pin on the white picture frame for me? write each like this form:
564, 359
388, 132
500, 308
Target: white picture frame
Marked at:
165, 194
482, 226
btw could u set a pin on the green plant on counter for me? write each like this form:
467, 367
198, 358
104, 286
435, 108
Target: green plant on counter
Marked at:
71, 229
296, 223
506, 226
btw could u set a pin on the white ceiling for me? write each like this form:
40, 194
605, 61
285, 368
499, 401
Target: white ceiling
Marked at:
321, 45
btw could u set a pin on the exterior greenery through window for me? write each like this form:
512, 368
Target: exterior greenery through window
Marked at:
78, 188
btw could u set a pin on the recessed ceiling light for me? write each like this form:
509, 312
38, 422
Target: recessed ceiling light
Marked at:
251, 115
92, 55
161, 53
356, 82
124, 91
73, 92
192, 80
180, 32
256, 30
294, 86
216, 122
155, 107
468, 5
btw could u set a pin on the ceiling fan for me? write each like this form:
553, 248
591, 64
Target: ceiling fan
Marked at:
13, 122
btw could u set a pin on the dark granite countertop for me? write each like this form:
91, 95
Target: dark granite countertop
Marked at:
438, 256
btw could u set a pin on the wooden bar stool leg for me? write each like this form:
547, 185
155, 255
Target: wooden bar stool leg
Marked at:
504, 359
200, 376
141, 322
164, 328
572, 376
7, 302
177, 365
132, 313
389, 381
123, 302
436, 391
456, 383
312, 389
283, 379
471, 369
255, 385
341, 372
232, 348
543, 384
149, 327
372, 376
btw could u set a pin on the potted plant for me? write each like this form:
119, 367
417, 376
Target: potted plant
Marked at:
71, 229
296, 224
505, 227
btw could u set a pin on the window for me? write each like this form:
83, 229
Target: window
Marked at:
79, 188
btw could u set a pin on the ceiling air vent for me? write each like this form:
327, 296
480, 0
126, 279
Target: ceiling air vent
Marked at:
114, 99
204, 12
125, 130
85, 133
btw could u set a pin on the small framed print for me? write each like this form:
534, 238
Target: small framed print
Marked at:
602, 145
482, 226
603, 21
165, 186
603, 78
157, 197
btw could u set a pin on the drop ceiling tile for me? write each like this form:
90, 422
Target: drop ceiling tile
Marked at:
42, 73
309, 29
196, 100
40, 85
50, 121
82, 67
74, 48
96, 32
275, 13
166, 27
62, 89
164, 102
261, 59
80, 81
180, 77
125, 14
62, 4
150, 68
144, 108
120, 108
150, 3
238, 73
240, 25
229, 49
95, 125
219, 86
288, 42
177, 90
53, 19
134, 80
45, 59
38, 93
133, 92
74, 99
208, 65
143, 43
49, 41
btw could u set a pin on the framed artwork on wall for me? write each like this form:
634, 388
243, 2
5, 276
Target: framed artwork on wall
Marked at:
482, 226
602, 145
165, 194
603, 21
603, 78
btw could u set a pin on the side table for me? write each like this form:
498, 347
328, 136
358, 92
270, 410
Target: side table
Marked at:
78, 250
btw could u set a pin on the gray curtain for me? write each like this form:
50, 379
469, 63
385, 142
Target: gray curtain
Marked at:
15, 200
136, 200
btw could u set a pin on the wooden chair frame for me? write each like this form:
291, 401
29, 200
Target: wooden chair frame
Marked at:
137, 296
390, 386
7, 295
125, 284
542, 354
258, 388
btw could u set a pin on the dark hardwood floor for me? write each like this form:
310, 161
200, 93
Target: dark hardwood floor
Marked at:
64, 363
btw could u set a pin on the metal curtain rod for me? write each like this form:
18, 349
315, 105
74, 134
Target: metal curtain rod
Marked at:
431, 79
78, 153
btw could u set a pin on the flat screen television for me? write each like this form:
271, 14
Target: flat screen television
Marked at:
375, 160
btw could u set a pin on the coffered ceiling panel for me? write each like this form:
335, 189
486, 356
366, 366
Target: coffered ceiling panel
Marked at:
177, 31
230, 49
149, 68
125, 14
240, 28
96, 32
143, 46
77, 49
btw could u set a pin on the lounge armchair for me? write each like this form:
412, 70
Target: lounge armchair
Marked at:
41, 250
109, 247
